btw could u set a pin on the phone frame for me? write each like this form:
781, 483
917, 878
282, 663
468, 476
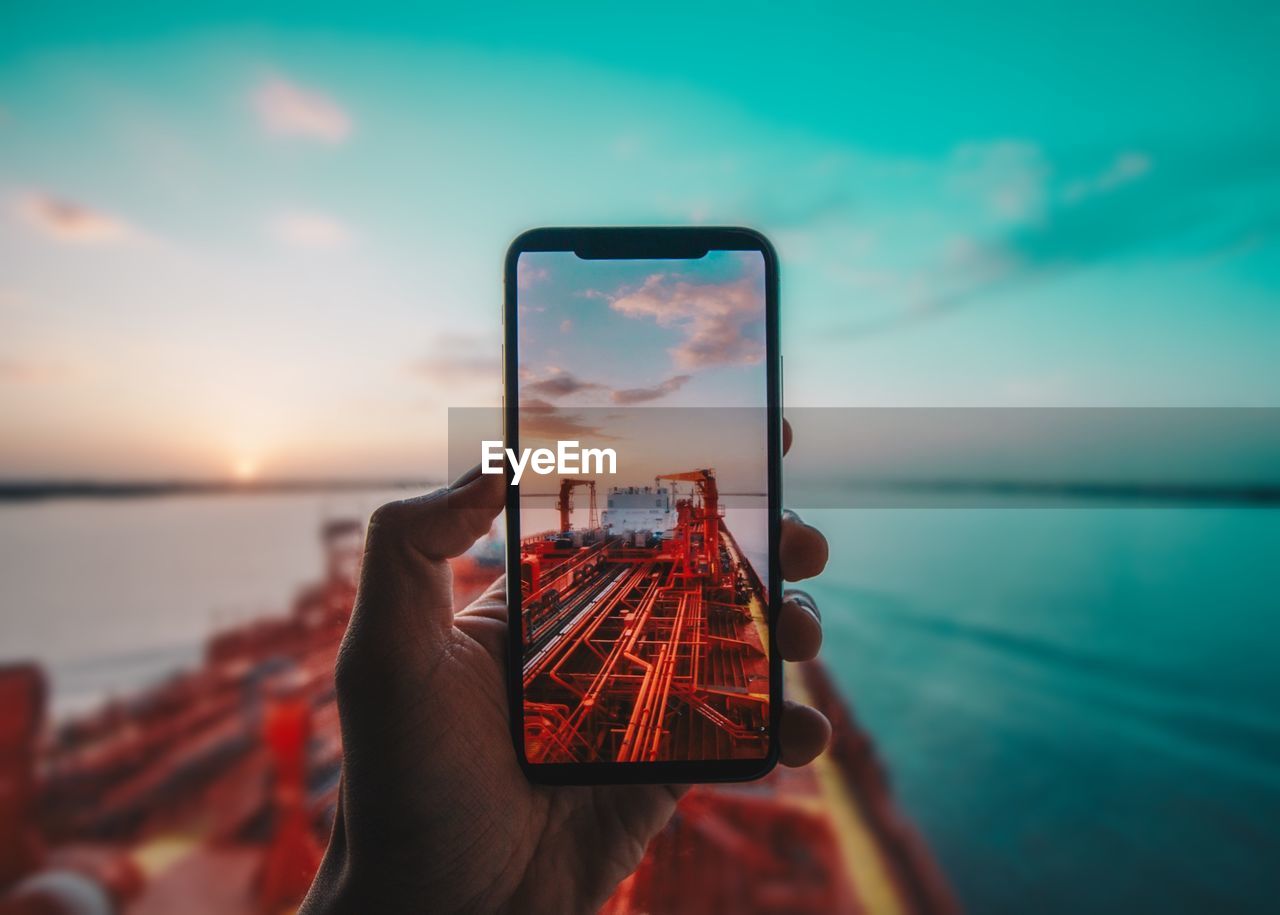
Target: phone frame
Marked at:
643, 243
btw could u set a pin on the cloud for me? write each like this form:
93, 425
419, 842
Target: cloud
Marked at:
24, 371
722, 323
968, 268
627, 146
643, 395
566, 325
68, 221
288, 110
459, 359
1187, 198
1110, 217
310, 230
558, 383
540, 418
1126, 167
527, 274
1008, 177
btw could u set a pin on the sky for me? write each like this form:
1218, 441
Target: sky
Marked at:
662, 361
669, 333
256, 240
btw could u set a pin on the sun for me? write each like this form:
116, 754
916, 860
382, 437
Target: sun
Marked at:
244, 469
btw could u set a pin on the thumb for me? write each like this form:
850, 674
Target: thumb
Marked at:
441, 524
404, 606
406, 578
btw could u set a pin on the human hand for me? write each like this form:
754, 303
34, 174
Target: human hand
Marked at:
434, 813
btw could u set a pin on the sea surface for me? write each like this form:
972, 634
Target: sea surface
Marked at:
110, 594
1080, 707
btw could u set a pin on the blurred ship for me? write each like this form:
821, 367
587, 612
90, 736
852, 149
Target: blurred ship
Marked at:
214, 791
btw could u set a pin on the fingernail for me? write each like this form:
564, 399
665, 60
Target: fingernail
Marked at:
789, 515
469, 476
803, 599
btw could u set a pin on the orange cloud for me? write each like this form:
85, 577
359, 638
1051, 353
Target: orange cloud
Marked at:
66, 220
541, 419
289, 110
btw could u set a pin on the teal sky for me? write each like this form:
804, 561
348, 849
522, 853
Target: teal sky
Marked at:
236, 239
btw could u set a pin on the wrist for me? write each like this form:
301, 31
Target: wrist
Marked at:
360, 879
333, 889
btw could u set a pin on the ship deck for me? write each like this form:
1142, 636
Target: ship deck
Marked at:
629, 656
176, 783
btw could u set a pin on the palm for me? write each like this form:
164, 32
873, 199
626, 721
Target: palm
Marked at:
435, 812
548, 848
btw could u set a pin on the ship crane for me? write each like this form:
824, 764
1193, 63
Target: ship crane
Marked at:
565, 503
706, 516
705, 483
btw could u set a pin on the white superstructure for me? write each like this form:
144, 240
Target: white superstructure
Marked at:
637, 508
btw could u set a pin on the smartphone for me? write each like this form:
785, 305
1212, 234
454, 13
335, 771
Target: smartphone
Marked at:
643, 448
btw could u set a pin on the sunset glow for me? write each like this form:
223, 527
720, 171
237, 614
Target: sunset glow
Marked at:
244, 469
280, 239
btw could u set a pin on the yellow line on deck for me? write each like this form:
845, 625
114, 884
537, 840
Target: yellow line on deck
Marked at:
159, 854
870, 873
759, 614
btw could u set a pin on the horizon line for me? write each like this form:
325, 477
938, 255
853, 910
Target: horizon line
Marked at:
17, 489
34, 489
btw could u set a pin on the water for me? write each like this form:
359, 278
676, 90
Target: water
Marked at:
1079, 708
111, 594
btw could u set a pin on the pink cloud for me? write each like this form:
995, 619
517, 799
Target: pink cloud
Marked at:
310, 230
460, 359
68, 221
722, 323
289, 110
527, 274
25, 371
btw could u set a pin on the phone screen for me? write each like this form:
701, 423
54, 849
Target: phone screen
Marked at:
642, 390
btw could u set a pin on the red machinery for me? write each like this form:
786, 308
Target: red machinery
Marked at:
22, 692
698, 525
565, 504
68, 881
645, 651
293, 854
